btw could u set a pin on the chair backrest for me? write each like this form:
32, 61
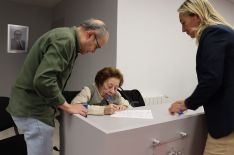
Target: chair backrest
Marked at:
5, 117
16, 144
69, 95
134, 97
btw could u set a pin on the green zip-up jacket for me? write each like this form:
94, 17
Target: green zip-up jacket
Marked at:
38, 89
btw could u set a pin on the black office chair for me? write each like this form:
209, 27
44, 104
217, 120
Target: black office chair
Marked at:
16, 144
133, 96
69, 95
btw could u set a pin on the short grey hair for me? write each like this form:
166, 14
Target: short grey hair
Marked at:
95, 24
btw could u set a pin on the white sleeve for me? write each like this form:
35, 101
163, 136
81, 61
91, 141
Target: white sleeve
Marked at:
96, 110
83, 96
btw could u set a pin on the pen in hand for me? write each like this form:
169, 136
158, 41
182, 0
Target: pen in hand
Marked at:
110, 108
180, 112
86, 105
108, 100
177, 107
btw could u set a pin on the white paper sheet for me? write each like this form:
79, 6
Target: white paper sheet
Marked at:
145, 114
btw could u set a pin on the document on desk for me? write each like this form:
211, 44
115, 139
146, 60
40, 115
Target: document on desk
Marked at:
145, 114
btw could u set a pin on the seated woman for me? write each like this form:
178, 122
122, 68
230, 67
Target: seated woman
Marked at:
102, 97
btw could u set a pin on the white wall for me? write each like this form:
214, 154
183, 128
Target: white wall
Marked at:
152, 52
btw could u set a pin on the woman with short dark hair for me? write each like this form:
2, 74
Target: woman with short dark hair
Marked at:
102, 97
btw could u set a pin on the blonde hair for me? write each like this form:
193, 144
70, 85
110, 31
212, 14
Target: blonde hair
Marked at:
205, 11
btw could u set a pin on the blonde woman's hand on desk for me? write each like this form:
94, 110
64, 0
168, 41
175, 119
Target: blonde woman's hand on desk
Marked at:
177, 107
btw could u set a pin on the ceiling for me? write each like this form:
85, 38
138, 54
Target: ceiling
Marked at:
47, 3
42, 3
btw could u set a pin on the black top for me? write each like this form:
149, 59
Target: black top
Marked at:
215, 73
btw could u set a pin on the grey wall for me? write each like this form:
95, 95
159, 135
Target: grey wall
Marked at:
73, 12
38, 20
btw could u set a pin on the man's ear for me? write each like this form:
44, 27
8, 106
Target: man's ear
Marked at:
90, 33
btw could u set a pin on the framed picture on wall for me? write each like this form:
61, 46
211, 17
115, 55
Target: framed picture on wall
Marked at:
17, 38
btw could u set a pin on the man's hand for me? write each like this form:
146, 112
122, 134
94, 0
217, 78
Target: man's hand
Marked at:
74, 108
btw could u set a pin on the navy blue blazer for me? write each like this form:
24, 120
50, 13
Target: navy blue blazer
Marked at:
215, 73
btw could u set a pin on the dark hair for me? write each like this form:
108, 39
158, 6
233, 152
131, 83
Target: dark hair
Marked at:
106, 73
95, 24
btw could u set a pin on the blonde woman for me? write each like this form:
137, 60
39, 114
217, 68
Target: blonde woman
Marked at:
102, 97
215, 72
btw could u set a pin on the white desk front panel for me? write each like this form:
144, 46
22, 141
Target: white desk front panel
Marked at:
105, 135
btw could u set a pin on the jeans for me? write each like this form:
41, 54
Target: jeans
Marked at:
38, 135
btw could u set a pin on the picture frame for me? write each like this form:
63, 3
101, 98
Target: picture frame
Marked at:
17, 38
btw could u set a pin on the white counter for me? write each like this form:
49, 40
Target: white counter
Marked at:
105, 135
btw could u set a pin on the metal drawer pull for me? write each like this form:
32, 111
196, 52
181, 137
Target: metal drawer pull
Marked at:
156, 142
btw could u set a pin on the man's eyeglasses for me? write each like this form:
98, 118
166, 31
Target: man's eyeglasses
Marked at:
97, 44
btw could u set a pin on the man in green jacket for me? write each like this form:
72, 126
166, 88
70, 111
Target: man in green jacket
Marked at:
37, 92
